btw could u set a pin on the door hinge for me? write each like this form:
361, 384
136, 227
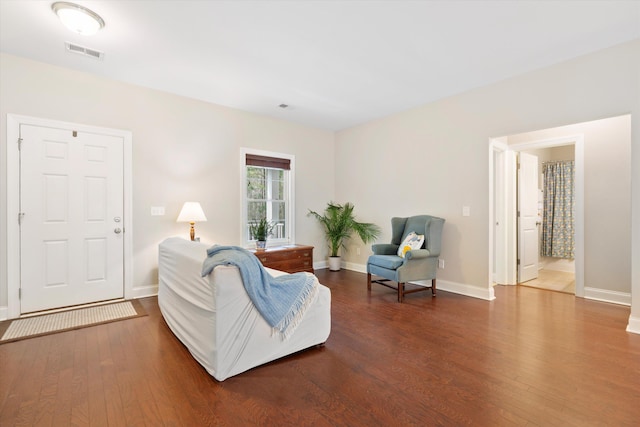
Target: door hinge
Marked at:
20, 216
19, 144
518, 262
19, 293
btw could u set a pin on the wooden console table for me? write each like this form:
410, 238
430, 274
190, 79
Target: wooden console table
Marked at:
289, 258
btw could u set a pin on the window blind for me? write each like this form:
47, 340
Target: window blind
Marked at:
267, 162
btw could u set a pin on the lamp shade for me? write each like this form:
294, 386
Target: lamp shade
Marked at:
191, 212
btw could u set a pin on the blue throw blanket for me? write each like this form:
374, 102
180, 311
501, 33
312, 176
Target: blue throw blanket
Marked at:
281, 300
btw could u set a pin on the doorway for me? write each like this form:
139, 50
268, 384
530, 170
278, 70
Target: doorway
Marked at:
503, 209
553, 190
63, 182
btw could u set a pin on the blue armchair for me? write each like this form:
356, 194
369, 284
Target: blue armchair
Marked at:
417, 264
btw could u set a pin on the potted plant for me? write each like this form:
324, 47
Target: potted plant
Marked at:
339, 224
260, 230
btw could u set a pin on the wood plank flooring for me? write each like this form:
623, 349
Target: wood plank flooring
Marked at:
531, 357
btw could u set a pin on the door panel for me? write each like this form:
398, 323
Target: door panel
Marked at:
71, 190
528, 217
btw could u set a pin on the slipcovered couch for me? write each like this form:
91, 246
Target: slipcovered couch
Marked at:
215, 319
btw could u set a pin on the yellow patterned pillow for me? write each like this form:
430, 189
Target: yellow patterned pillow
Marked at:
412, 241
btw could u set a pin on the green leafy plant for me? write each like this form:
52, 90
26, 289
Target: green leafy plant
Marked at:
340, 223
261, 229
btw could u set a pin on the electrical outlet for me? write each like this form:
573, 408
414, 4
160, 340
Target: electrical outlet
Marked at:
440, 263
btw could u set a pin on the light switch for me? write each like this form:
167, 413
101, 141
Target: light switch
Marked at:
466, 211
157, 210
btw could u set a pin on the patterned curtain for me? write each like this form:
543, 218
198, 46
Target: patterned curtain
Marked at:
557, 219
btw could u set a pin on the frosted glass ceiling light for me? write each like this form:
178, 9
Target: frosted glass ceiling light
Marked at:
77, 18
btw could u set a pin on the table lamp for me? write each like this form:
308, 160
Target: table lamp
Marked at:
191, 212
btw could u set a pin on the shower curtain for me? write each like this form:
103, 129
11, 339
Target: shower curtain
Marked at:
557, 219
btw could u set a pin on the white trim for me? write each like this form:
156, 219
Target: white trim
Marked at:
321, 265
13, 202
578, 142
634, 325
143, 291
614, 297
445, 285
467, 290
502, 210
496, 153
13, 207
360, 268
291, 196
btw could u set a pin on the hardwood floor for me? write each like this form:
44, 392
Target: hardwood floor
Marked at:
531, 357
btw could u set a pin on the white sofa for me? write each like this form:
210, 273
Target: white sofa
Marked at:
215, 319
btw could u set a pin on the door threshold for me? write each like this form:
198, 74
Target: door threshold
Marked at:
71, 307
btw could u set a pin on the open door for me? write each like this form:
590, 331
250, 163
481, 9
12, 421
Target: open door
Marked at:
527, 217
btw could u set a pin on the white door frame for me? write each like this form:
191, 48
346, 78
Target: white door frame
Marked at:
505, 255
13, 202
502, 208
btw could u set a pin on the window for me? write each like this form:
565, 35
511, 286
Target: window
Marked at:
267, 190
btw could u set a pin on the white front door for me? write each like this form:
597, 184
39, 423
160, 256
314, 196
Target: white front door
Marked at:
71, 225
527, 218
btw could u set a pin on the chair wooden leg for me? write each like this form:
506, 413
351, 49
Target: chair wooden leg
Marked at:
400, 292
433, 287
369, 281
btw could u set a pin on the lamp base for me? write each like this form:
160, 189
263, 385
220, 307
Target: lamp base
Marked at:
192, 232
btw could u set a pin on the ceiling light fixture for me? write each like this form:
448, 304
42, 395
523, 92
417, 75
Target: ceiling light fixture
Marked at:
77, 18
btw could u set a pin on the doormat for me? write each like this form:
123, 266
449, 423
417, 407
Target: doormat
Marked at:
29, 327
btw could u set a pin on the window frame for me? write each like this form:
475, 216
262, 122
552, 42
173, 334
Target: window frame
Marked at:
289, 191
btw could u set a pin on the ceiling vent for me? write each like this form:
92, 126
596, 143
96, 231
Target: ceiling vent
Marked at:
81, 50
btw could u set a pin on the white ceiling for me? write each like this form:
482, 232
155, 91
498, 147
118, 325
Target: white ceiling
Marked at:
335, 63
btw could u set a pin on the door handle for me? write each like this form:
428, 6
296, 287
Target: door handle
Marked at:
117, 231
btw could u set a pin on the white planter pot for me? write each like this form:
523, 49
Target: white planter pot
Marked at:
334, 263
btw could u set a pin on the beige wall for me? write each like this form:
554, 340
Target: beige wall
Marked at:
182, 150
607, 205
430, 159
434, 159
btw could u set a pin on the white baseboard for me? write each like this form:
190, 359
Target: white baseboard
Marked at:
467, 290
445, 285
622, 298
320, 265
634, 325
144, 291
360, 268
4, 312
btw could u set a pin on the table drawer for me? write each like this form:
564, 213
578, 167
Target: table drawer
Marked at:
291, 259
